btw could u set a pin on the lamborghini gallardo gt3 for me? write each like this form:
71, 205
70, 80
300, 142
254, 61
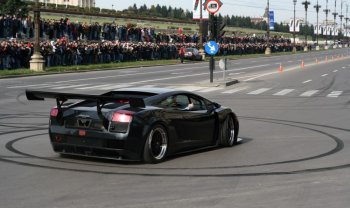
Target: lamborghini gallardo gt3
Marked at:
137, 123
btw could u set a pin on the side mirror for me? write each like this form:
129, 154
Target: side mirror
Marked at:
213, 106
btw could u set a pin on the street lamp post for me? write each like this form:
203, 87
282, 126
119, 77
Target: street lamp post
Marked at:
335, 23
317, 7
268, 49
346, 25
341, 18
294, 47
201, 48
306, 6
37, 63
327, 12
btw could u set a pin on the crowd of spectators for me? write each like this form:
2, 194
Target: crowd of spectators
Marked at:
73, 43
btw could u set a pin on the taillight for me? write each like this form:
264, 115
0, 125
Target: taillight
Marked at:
122, 116
54, 112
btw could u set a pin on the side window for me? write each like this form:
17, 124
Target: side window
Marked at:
198, 104
174, 101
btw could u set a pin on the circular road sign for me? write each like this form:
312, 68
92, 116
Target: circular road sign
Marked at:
213, 6
211, 48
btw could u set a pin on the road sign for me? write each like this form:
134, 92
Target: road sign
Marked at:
211, 48
222, 64
212, 6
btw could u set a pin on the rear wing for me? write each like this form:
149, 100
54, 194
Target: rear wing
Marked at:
133, 101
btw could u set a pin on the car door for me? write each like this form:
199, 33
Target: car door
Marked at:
199, 124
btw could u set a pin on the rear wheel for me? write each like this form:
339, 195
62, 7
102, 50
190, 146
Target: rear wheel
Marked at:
229, 132
156, 145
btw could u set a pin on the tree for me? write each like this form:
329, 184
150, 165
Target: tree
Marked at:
13, 7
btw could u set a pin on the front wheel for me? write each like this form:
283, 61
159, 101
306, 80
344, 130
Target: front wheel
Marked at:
156, 145
229, 132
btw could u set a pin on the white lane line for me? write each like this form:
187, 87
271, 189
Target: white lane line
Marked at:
235, 90
309, 93
211, 89
324, 75
68, 86
147, 86
190, 88
25, 86
307, 81
259, 91
92, 87
335, 94
114, 87
344, 67
335, 70
290, 61
284, 92
238, 73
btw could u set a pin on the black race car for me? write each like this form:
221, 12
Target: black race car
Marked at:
137, 123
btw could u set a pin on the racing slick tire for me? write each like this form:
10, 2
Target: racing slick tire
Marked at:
156, 145
229, 131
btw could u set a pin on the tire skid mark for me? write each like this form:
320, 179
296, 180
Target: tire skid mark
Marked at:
338, 148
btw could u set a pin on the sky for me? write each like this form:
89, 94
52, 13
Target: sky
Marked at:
254, 8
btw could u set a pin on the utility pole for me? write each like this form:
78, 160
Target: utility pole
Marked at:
326, 11
306, 6
37, 63
341, 18
335, 23
346, 25
268, 49
201, 48
317, 7
294, 48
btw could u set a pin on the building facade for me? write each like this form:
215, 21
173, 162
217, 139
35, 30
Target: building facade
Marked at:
80, 3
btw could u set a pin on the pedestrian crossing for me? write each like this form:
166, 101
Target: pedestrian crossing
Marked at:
242, 90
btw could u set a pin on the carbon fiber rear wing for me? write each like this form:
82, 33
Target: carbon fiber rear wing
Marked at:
134, 102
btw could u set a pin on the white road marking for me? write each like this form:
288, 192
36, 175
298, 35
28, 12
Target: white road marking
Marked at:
235, 90
290, 61
190, 88
284, 92
238, 73
113, 87
307, 81
211, 89
68, 86
147, 86
259, 91
344, 67
309, 93
92, 87
25, 86
324, 75
335, 70
335, 94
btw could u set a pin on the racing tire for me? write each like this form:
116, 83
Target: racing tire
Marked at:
156, 146
229, 132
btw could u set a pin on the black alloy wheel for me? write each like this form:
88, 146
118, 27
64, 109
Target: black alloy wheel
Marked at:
156, 145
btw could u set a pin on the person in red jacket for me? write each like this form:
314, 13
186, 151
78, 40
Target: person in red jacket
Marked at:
182, 54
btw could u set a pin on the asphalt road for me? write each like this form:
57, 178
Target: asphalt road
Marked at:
294, 151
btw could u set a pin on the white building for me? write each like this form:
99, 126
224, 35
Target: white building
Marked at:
80, 3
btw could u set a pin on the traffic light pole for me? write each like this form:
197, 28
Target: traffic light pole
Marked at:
212, 60
212, 67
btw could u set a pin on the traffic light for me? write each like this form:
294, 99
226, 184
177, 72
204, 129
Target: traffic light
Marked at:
217, 28
221, 31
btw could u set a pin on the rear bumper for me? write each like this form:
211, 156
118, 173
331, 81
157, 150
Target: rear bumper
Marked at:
96, 152
100, 144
